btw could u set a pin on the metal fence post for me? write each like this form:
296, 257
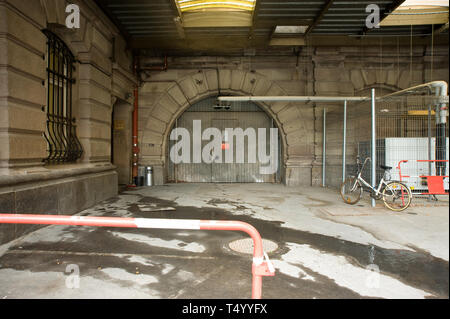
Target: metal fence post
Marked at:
374, 147
324, 151
430, 197
344, 143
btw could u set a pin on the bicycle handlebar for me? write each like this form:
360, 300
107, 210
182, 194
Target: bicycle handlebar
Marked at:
358, 162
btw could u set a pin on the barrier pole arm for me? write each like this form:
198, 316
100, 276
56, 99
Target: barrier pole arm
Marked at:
261, 264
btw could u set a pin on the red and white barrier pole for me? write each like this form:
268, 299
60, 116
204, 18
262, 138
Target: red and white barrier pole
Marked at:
435, 183
260, 266
261, 263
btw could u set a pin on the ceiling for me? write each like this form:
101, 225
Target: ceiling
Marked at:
173, 26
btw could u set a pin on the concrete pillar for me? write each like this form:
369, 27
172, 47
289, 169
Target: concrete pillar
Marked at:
122, 124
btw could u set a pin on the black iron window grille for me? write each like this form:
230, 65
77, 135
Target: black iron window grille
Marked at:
62, 141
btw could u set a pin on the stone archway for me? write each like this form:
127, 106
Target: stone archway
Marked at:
387, 80
161, 103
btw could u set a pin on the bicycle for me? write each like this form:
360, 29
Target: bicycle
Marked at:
396, 195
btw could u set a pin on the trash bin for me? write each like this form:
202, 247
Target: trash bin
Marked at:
149, 176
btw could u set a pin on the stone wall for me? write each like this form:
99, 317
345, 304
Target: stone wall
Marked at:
103, 76
63, 192
321, 71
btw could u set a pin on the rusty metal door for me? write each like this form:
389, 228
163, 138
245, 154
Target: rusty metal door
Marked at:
244, 116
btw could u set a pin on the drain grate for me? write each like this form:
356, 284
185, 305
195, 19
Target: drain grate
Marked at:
245, 246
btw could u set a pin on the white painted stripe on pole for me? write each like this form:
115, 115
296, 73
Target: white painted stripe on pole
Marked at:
168, 223
269, 263
258, 260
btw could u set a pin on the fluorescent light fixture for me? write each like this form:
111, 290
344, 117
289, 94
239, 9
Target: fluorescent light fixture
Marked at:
291, 29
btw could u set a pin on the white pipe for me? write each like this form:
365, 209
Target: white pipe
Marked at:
291, 98
441, 88
443, 110
442, 85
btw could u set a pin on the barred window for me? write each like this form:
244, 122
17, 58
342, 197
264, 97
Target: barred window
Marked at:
62, 141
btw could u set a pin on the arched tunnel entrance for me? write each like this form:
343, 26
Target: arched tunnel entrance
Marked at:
233, 143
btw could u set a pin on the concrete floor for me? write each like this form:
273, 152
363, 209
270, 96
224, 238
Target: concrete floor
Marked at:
326, 249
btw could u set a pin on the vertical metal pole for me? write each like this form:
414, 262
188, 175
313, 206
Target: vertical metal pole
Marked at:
441, 138
374, 146
135, 145
324, 151
429, 139
175, 166
344, 142
429, 145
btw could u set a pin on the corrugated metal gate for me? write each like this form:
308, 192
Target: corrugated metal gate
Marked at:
241, 115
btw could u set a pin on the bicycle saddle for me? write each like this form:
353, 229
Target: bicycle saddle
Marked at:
385, 167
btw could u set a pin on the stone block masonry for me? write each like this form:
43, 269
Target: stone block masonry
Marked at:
27, 184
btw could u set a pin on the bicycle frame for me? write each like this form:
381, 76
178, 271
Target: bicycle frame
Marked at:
366, 184
376, 191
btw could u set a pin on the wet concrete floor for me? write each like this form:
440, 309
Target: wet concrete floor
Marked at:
342, 260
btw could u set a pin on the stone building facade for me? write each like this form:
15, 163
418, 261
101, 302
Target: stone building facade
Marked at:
103, 78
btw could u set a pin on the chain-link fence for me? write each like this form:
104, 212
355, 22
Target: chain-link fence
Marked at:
407, 129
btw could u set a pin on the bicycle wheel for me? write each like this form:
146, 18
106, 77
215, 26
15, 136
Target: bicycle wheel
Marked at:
397, 196
351, 191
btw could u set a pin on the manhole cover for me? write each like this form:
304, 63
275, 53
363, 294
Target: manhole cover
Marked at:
245, 246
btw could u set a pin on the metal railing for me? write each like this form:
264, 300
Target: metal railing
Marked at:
261, 266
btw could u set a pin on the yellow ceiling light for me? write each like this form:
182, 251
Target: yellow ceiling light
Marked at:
202, 5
